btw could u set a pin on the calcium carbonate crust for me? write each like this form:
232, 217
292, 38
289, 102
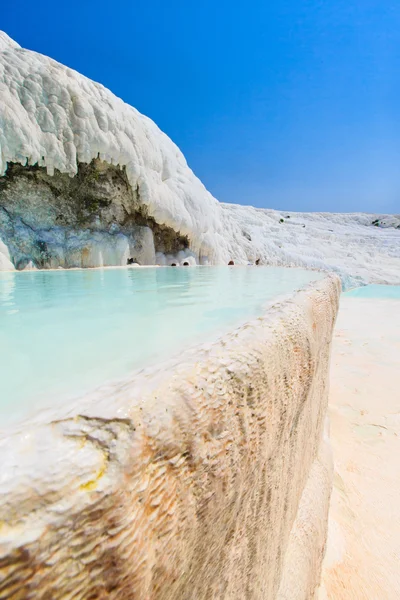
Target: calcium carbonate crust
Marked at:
55, 118
209, 479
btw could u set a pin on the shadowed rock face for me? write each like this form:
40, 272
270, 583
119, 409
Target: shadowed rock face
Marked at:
92, 219
214, 484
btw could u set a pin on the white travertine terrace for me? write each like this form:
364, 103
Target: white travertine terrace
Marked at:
209, 479
206, 480
52, 116
56, 118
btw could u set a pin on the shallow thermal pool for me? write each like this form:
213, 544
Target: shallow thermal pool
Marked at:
63, 333
391, 292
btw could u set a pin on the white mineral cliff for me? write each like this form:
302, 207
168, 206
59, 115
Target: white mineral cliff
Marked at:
86, 180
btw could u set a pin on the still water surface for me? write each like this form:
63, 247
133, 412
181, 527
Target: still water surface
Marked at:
63, 333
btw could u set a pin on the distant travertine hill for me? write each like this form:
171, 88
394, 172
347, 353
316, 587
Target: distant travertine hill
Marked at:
86, 180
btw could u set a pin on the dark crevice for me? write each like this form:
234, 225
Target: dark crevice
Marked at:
98, 198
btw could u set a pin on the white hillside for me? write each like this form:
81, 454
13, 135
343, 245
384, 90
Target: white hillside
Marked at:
57, 119
346, 243
52, 116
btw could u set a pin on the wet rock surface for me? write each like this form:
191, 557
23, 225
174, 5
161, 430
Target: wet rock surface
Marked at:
206, 479
92, 219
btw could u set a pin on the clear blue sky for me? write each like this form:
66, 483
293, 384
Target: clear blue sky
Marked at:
286, 104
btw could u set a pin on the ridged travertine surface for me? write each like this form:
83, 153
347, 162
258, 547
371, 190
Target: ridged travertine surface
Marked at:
208, 479
88, 181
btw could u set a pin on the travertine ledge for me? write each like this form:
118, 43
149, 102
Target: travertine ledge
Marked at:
208, 480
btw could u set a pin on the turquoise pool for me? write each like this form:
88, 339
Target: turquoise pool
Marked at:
376, 291
63, 333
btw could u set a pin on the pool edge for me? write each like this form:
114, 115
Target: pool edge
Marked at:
109, 459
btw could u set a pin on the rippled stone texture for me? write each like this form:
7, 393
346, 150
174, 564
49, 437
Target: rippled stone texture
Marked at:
208, 480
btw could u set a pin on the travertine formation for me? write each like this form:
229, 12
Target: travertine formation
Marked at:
90, 220
208, 479
87, 181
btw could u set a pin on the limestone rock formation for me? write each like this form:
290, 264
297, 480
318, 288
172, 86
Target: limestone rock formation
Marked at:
92, 219
86, 180
206, 480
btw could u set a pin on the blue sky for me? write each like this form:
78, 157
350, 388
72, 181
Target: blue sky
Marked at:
289, 104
